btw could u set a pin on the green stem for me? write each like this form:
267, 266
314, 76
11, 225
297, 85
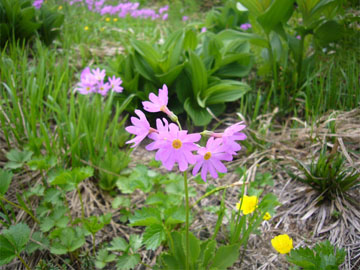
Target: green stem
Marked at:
187, 222
23, 209
23, 262
170, 239
94, 254
81, 203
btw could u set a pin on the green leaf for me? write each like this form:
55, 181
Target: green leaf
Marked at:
7, 251
135, 241
153, 236
5, 180
209, 252
42, 163
18, 235
254, 6
198, 73
148, 52
190, 40
225, 256
171, 75
118, 244
126, 262
39, 237
104, 257
194, 247
175, 215
278, 12
198, 115
146, 217
17, 158
225, 91
328, 32
229, 35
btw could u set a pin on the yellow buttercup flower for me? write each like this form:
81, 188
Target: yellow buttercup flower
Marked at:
282, 243
86, 28
267, 216
107, 19
115, 19
60, 8
248, 205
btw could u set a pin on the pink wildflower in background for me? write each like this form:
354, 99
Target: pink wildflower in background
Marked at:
245, 26
37, 3
141, 128
157, 103
164, 17
115, 84
209, 159
185, 18
203, 30
163, 9
176, 147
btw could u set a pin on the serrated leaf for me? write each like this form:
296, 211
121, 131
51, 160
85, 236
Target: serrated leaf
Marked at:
135, 242
126, 262
103, 257
120, 201
118, 244
5, 180
33, 246
146, 217
7, 252
175, 215
225, 256
153, 236
17, 158
18, 235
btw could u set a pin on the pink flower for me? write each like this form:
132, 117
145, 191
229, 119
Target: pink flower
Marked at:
230, 135
158, 103
163, 9
209, 159
185, 18
159, 136
98, 74
87, 82
165, 16
141, 128
176, 146
103, 88
115, 84
37, 3
245, 26
203, 29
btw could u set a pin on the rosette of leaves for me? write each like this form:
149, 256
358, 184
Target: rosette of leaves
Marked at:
19, 20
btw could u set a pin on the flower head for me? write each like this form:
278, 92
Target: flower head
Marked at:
267, 216
141, 128
103, 88
209, 159
37, 3
230, 136
175, 146
248, 204
157, 103
282, 243
115, 84
98, 74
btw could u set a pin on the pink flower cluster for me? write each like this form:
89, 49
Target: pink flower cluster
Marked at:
37, 3
245, 26
92, 81
124, 9
174, 145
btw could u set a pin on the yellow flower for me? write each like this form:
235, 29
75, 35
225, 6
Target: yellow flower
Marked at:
102, 29
60, 8
115, 19
86, 28
107, 19
282, 243
267, 216
248, 205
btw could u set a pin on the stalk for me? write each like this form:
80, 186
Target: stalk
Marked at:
187, 222
23, 262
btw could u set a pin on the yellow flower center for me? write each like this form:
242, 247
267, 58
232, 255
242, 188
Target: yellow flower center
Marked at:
207, 156
88, 88
176, 143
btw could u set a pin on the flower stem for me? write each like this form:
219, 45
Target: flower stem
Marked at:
23, 262
21, 208
187, 222
81, 203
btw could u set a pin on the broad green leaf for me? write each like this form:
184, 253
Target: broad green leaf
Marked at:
225, 256
198, 115
171, 75
255, 7
5, 180
18, 235
198, 71
127, 261
190, 40
225, 92
148, 52
33, 246
153, 236
7, 251
118, 244
175, 215
209, 252
279, 12
194, 247
146, 217
120, 201
230, 35
328, 32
